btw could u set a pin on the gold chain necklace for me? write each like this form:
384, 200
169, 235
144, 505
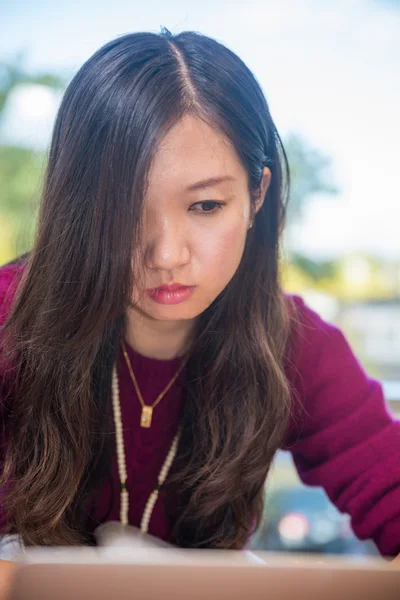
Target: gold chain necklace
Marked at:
147, 410
123, 476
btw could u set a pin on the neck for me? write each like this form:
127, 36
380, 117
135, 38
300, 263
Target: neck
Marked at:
162, 340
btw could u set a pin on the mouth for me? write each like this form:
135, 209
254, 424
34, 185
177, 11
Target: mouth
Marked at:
171, 294
169, 288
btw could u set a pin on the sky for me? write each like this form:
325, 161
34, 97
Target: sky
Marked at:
330, 72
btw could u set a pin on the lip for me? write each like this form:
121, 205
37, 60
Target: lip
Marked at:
164, 295
173, 287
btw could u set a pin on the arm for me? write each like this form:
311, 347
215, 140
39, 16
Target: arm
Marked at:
345, 440
8, 570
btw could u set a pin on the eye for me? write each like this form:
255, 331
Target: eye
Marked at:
210, 204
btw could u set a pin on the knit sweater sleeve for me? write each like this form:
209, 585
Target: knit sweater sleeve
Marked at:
344, 437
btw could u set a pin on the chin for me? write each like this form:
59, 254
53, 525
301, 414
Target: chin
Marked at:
171, 312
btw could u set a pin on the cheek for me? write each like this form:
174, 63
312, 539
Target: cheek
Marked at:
220, 254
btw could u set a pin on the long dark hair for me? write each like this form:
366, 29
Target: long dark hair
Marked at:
68, 316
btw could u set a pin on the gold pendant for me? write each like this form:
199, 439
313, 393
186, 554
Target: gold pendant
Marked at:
147, 413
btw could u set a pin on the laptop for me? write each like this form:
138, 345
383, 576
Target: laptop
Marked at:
155, 573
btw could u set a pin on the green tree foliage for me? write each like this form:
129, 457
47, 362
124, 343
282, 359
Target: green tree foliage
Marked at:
21, 169
310, 173
317, 270
13, 74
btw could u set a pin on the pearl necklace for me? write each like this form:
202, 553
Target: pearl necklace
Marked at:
123, 476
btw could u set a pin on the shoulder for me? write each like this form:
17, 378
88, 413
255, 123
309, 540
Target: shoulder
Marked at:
316, 346
321, 363
311, 335
312, 339
306, 321
10, 276
325, 375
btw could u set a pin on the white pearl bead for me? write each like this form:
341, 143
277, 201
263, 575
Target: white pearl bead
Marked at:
124, 499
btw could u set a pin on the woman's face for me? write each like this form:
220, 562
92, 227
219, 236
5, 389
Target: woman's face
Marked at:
193, 234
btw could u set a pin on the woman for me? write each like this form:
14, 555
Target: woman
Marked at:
166, 168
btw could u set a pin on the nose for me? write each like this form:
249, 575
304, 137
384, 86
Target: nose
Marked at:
167, 246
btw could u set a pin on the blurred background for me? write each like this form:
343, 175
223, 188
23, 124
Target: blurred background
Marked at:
330, 73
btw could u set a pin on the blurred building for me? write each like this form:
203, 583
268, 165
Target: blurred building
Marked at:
373, 327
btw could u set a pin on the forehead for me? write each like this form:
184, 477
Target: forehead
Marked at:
192, 151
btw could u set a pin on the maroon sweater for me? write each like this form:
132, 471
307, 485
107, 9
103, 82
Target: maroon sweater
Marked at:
344, 439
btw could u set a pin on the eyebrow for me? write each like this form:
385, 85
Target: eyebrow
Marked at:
205, 183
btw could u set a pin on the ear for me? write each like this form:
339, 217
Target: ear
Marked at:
261, 192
